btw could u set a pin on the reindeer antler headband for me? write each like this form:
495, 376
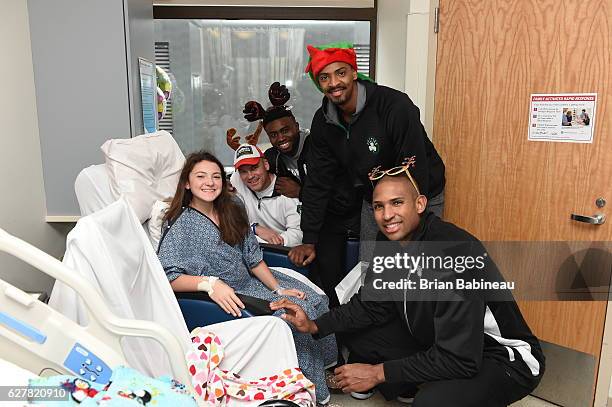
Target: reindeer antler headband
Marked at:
253, 111
278, 95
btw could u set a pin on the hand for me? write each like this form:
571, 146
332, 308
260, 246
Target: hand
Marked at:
302, 255
225, 296
292, 292
288, 187
359, 377
269, 235
295, 315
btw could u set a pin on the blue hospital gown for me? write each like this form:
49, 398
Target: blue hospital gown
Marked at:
193, 246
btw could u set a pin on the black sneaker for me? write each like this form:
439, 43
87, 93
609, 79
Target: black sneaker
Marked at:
408, 396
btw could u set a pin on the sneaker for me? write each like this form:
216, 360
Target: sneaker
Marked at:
362, 396
324, 402
405, 400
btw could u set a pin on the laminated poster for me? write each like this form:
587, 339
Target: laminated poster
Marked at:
563, 117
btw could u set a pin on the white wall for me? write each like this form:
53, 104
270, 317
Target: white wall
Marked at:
22, 203
406, 51
391, 43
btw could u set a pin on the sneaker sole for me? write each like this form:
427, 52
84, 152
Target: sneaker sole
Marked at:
361, 396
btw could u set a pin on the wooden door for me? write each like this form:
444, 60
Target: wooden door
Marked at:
492, 55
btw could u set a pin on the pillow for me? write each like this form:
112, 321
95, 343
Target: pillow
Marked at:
92, 189
144, 169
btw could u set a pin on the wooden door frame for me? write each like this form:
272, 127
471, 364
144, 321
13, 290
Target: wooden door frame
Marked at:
603, 387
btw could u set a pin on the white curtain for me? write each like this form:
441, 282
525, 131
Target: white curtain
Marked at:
238, 65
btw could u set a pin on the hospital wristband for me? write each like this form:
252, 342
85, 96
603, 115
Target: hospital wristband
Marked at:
278, 289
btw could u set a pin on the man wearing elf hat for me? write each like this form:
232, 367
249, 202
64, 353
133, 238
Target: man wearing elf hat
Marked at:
359, 126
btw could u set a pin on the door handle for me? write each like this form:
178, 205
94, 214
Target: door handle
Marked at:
598, 219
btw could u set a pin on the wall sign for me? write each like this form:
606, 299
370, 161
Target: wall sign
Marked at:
563, 117
148, 94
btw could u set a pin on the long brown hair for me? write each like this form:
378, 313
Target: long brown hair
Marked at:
233, 220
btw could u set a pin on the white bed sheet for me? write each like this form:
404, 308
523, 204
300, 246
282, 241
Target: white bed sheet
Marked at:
110, 249
92, 189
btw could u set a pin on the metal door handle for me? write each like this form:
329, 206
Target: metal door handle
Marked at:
598, 219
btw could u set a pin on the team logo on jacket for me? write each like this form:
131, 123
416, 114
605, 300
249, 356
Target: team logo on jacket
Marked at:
372, 145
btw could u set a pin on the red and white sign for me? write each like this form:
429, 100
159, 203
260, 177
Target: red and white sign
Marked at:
568, 118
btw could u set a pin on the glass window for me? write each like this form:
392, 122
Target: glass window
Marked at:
219, 65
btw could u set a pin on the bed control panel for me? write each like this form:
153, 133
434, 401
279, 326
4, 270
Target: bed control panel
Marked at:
87, 365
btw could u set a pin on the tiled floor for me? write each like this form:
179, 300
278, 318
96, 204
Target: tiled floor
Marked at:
345, 400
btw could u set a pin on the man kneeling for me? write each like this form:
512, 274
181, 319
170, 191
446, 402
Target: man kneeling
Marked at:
470, 352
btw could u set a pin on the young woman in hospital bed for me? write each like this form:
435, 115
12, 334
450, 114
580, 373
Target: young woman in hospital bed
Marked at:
37, 340
209, 246
110, 249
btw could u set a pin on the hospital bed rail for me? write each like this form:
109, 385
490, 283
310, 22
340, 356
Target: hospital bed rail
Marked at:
38, 338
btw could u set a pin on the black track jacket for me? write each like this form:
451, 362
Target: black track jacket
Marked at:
384, 132
454, 336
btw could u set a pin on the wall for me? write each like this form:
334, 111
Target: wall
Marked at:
406, 51
85, 55
391, 43
138, 15
22, 207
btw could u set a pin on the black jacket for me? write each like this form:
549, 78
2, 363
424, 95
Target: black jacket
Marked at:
386, 131
454, 336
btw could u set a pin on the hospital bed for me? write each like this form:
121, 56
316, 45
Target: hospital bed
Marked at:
110, 249
37, 340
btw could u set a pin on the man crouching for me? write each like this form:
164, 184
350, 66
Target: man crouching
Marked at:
470, 352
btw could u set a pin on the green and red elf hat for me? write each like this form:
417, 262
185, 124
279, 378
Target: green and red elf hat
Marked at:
323, 55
